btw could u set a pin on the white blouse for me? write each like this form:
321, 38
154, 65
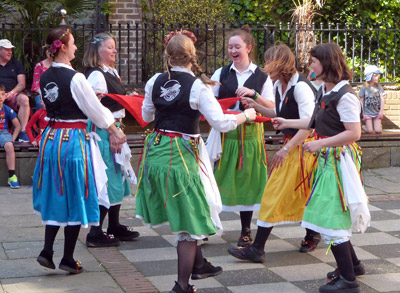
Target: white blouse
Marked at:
349, 106
201, 99
99, 84
266, 91
303, 95
87, 101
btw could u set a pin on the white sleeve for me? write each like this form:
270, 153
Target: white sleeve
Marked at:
349, 108
98, 82
216, 76
267, 90
148, 108
203, 99
88, 102
305, 99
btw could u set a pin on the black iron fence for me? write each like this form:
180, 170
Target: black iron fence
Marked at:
141, 49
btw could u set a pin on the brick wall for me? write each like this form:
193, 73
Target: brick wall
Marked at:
128, 12
392, 109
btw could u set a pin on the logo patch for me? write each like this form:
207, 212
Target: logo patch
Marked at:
170, 90
51, 92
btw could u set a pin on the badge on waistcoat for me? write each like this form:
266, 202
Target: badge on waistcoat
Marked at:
51, 92
170, 90
323, 105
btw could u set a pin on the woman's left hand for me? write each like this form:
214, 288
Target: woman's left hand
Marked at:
313, 146
244, 92
279, 157
99, 95
133, 94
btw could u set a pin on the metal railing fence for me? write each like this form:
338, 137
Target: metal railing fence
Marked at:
141, 50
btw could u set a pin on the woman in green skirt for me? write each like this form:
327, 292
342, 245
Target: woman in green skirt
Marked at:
176, 183
338, 203
241, 164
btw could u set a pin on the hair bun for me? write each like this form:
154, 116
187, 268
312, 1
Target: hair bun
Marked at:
246, 28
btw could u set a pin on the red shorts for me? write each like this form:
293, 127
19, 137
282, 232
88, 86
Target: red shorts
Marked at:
12, 102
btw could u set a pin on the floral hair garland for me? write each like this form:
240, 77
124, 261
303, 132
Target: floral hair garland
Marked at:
187, 33
53, 48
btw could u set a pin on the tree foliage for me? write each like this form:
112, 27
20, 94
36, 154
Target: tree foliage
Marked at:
345, 11
34, 12
190, 12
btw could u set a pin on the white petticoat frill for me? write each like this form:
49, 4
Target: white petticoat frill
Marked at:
124, 159
354, 193
99, 170
214, 147
210, 187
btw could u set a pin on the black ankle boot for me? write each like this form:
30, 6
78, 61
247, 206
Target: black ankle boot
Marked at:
45, 259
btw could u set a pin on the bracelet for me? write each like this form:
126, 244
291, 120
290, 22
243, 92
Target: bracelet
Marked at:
256, 95
247, 116
285, 149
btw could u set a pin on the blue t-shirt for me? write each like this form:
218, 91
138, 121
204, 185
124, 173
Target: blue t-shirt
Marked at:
5, 114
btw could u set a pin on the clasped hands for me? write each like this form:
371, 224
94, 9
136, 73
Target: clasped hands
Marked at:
117, 139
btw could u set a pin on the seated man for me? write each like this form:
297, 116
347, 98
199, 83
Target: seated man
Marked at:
6, 139
12, 76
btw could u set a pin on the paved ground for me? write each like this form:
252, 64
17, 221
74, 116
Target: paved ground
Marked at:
149, 264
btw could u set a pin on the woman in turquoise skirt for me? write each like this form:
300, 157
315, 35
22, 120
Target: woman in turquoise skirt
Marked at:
337, 186
64, 189
99, 62
176, 185
241, 166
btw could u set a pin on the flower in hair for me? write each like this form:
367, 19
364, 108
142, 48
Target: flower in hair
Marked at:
55, 46
187, 33
95, 41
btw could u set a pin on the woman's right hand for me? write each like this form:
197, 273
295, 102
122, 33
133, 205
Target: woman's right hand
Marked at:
279, 123
117, 139
248, 103
251, 113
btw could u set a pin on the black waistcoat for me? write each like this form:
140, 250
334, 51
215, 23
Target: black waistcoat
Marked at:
326, 119
290, 109
55, 86
229, 82
171, 99
114, 86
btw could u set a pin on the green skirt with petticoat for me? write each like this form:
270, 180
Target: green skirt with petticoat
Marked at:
169, 186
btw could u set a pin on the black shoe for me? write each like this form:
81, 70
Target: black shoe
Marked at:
206, 271
358, 271
245, 239
123, 233
247, 253
308, 245
45, 259
101, 240
178, 289
339, 284
74, 267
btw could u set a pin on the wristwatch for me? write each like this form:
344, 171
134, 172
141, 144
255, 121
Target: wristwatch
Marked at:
285, 149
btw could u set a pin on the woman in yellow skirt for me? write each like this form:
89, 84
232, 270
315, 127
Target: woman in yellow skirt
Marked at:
288, 185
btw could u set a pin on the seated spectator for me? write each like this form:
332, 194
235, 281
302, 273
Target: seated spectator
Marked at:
6, 139
12, 76
41, 67
36, 125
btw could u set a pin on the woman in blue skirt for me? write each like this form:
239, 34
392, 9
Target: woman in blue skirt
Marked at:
64, 189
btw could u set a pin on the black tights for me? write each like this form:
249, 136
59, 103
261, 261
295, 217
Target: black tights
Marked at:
189, 256
346, 259
113, 218
71, 234
245, 219
261, 237
263, 234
